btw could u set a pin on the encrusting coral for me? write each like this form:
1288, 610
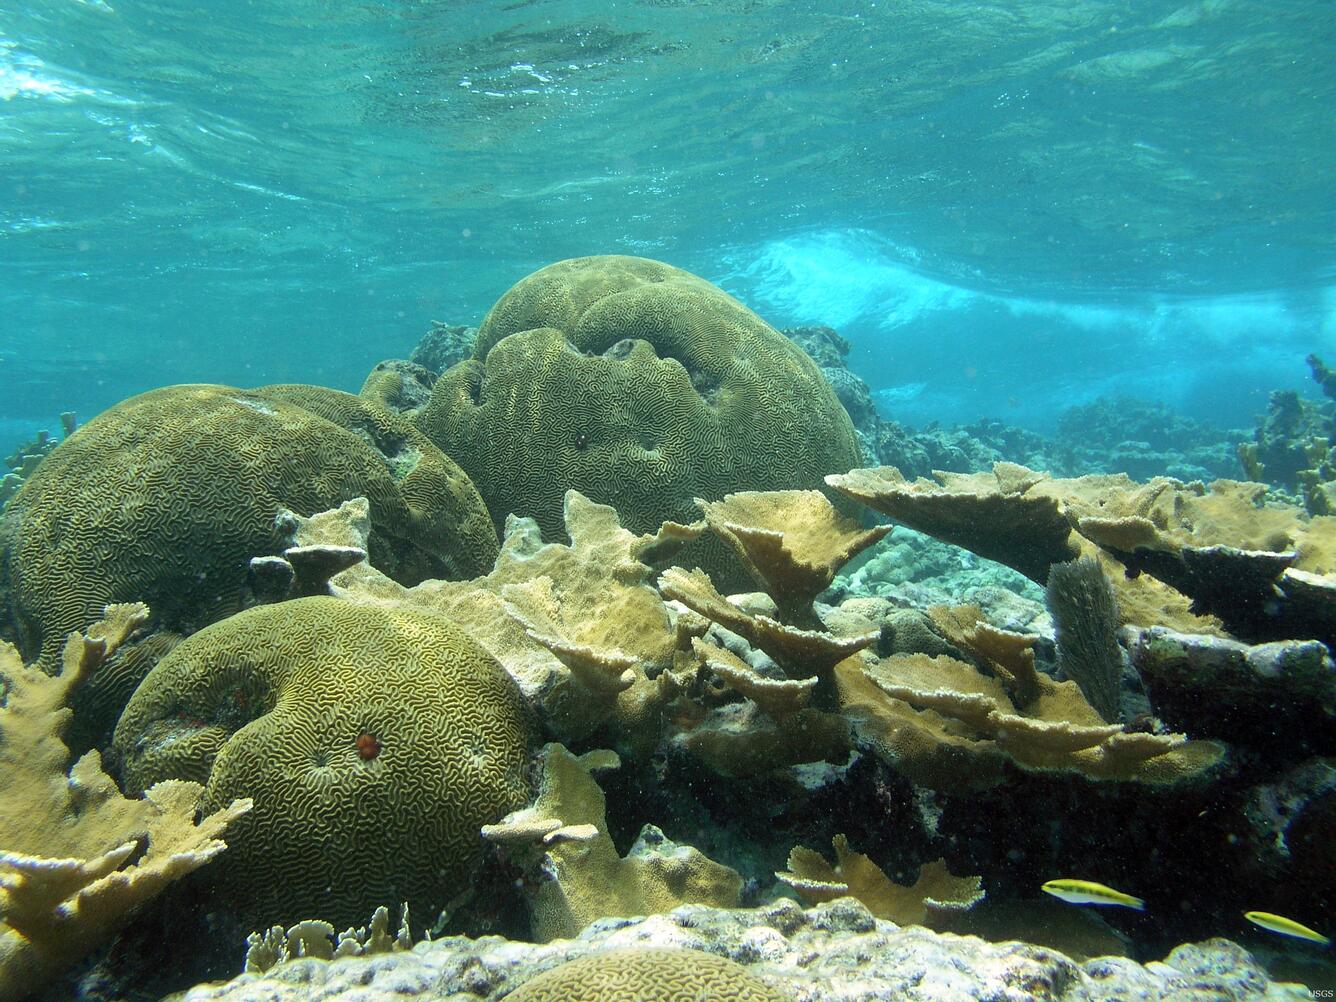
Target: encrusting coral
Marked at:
574, 872
77, 858
167, 495
936, 896
641, 386
374, 741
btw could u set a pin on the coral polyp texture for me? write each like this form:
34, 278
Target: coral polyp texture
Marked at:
648, 974
375, 743
166, 496
639, 385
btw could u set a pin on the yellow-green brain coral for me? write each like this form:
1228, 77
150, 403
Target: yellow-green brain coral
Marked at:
165, 497
639, 385
647, 975
375, 742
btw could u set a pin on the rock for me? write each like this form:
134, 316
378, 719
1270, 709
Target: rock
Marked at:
1281, 693
443, 346
835, 952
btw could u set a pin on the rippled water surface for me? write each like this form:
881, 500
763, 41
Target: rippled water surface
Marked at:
249, 192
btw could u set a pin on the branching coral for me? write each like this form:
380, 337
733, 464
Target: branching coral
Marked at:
562, 841
576, 624
1266, 571
315, 938
934, 897
791, 542
947, 726
78, 858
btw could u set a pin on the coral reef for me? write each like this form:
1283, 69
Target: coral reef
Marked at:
398, 386
375, 743
1085, 620
24, 459
76, 858
936, 896
164, 498
1292, 443
561, 844
632, 975
639, 385
1141, 438
444, 345
342, 642
830, 953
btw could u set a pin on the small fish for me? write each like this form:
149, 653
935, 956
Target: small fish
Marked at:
1286, 927
1087, 892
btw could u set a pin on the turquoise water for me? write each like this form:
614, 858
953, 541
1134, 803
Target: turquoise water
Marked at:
1006, 208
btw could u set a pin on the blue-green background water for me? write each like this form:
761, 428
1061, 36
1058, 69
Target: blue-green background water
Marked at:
1008, 208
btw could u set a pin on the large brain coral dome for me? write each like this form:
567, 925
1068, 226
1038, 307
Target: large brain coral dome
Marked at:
165, 497
647, 975
639, 385
375, 743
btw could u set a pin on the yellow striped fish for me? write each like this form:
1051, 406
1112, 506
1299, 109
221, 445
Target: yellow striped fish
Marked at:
1087, 892
1286, 927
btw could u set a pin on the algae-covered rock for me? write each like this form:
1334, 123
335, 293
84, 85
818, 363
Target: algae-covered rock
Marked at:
639, 385
836, 952
375, 743
1281, 694
165, 497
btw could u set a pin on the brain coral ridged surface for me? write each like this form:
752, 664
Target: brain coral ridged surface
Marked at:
165, 497
647, 975
639, 385
375, 742
440, 526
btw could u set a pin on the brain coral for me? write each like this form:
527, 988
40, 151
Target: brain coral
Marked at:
165, 497
375, 743
639, 385
647, 975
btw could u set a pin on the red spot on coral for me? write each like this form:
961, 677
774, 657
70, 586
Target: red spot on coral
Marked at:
367, 745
